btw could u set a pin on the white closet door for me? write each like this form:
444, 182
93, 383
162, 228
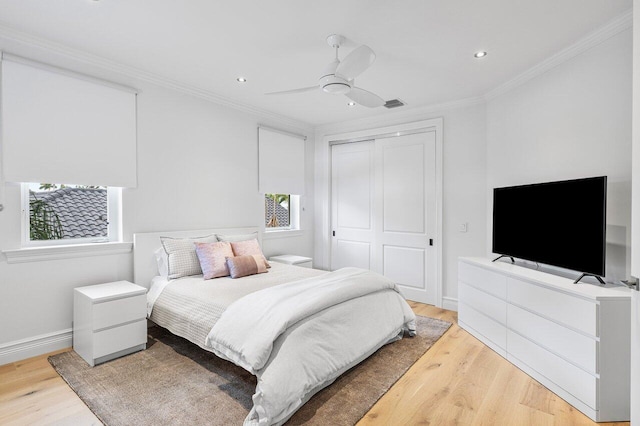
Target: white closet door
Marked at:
384, 210
352, 206
405, 202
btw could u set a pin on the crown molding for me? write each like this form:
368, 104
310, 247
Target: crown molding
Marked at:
33, 41
614, 27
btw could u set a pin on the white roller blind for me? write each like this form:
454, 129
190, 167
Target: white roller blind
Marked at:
61, 128
281, 162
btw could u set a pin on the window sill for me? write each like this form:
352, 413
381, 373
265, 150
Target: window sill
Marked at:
72, 251
282, 233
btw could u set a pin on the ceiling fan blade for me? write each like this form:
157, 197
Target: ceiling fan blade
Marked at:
365, 98
301, 90
356, 62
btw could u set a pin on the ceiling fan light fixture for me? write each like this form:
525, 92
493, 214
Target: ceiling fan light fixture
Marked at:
336, 88
335, 85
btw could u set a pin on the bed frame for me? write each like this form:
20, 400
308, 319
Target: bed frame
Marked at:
145, 244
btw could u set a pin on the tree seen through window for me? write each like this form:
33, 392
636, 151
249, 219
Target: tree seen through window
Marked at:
277, 210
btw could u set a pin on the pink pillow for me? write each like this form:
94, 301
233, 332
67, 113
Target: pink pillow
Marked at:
241, 266
212, 257
247, 248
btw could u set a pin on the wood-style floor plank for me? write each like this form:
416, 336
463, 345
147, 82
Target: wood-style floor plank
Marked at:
459, 381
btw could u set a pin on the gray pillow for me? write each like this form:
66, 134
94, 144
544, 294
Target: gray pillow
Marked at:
181, 255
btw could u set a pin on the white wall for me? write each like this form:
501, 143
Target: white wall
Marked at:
463, 184
197, 168
572, 121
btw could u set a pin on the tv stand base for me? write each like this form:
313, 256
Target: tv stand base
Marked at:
600, 280
504, 255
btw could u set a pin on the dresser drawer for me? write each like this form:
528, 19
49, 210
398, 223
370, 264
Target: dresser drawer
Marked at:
487, 327
483, 302
572, 311
488, 281
119, 311
570, 378
570, 345
116, 339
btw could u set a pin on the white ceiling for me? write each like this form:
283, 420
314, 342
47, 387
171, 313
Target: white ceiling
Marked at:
424, 47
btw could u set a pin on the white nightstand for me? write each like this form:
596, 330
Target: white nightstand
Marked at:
290, 259
109, 321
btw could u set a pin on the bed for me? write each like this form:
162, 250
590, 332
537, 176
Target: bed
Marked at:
297, 329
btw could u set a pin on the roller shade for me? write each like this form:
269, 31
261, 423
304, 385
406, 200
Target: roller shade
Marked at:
62, 127
281, 162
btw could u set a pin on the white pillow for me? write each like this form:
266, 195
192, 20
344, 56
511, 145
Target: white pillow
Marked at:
162, 261
181, 254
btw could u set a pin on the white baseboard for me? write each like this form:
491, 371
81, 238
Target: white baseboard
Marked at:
450, 303
34, 346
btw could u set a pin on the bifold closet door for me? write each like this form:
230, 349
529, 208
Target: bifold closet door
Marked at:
384, 210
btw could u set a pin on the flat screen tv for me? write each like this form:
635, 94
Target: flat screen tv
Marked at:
556, 223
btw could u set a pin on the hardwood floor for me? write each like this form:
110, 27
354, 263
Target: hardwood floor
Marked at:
459, 381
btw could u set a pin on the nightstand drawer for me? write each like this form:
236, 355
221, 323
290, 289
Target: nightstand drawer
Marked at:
119, 338
120, 311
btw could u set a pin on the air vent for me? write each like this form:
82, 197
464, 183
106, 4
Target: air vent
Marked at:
394, 103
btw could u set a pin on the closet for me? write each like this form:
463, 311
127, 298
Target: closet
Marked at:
384, 211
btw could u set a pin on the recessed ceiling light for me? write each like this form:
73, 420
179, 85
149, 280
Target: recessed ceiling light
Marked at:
351, 104
481, 54
241, 80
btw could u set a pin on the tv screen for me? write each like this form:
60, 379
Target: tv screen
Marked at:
557, 223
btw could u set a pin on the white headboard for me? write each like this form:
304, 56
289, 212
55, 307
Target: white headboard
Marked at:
145, 244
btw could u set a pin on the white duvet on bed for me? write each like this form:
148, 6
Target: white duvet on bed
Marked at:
299, 337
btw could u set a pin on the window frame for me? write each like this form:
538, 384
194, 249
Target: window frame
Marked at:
114, 219
294, 216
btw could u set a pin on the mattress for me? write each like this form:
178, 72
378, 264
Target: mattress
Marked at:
190, 306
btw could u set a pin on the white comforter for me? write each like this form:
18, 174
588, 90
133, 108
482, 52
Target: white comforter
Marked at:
299, 337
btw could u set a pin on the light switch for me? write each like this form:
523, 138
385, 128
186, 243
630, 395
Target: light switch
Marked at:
463, 227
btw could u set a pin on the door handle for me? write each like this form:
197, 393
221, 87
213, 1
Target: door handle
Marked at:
430, 241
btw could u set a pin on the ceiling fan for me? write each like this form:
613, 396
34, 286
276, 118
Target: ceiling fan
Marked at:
338, 77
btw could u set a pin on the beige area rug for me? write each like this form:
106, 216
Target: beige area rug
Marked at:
175, 382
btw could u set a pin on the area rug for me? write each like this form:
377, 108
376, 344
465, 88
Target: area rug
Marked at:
175, 382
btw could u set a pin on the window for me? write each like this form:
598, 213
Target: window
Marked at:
281, 212
70, 214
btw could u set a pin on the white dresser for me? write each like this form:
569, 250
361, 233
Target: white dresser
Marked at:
109, 321
572, 338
